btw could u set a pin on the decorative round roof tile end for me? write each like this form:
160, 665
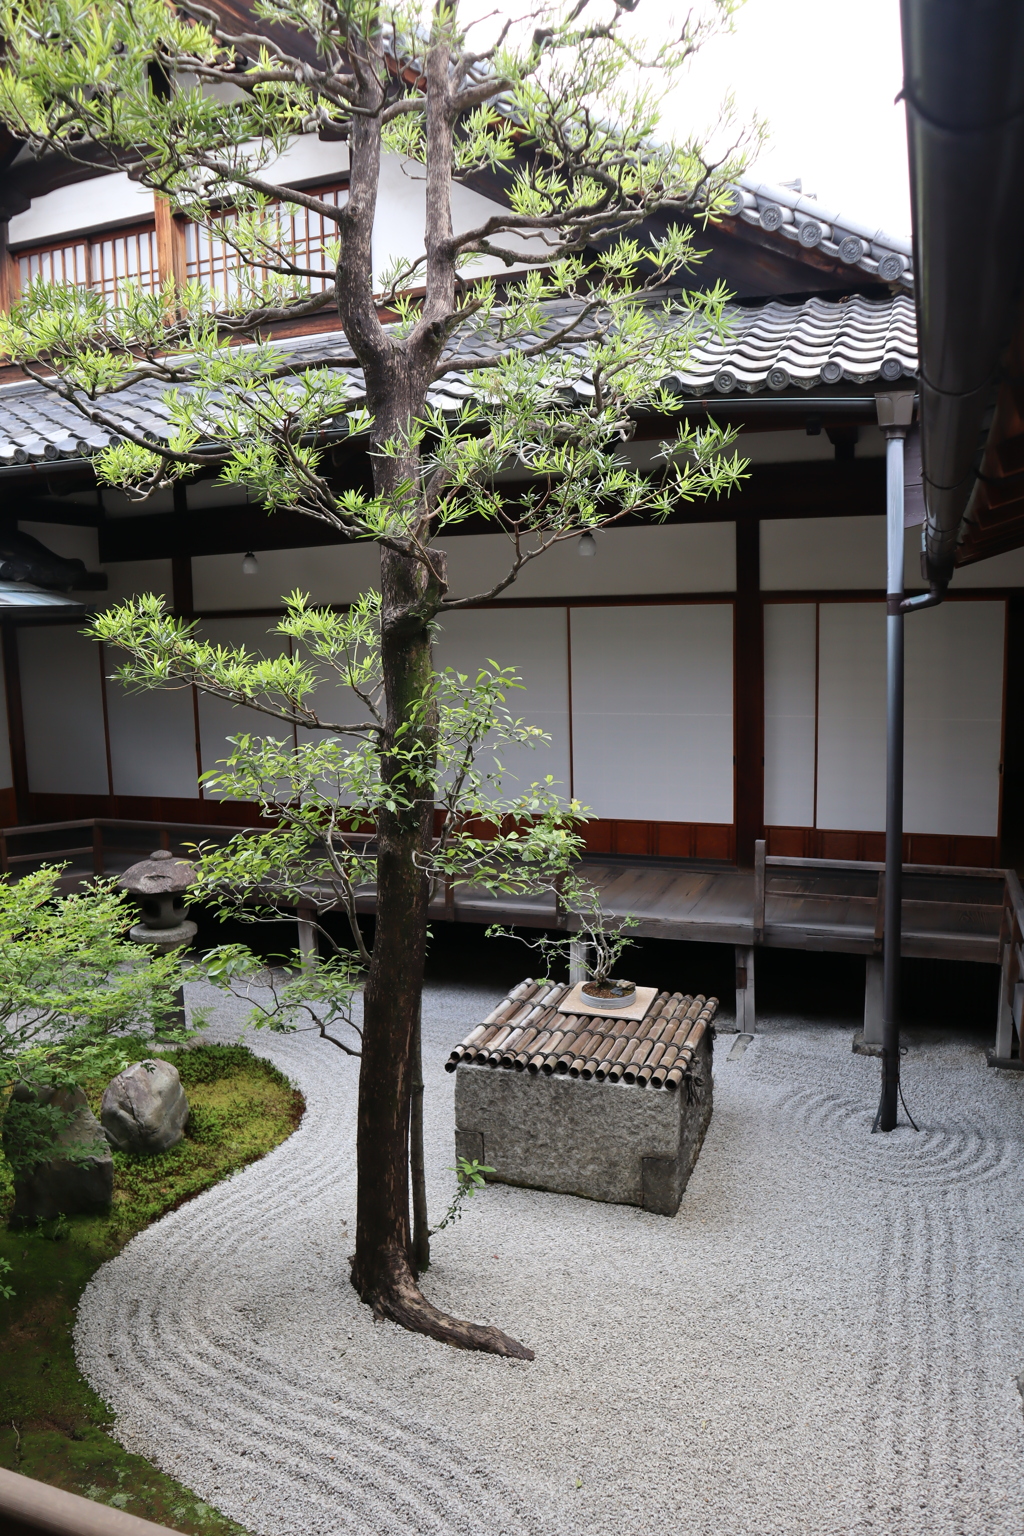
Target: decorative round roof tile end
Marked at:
830, 372
771, 217
778, 378
891, 368
892, 267
852, 249
811, 234
725, 381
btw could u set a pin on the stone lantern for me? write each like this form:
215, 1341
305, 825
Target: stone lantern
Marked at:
159, 884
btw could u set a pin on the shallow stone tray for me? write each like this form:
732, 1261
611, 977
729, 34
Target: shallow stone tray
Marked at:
575, 1001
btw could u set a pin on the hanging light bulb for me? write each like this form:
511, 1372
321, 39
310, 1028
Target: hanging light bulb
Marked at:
250, 565
587, 544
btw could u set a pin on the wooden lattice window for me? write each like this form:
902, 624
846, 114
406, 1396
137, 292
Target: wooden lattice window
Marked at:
213, 261
102, 263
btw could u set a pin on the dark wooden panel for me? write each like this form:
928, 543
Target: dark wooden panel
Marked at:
748, 694
918, 847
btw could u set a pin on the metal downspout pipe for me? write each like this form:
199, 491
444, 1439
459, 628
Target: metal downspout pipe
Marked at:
895, 413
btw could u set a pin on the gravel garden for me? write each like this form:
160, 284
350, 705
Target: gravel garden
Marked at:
824, 1339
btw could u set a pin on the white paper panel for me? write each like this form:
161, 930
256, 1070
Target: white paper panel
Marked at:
684, 557
954, 684
219, 720
851, 717
652, 699
152, 739
805, 554
332, 573
789, 704
954, 710
63, 704
535, 642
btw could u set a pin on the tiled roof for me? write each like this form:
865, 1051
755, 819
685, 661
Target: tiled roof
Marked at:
775, 348
809, 224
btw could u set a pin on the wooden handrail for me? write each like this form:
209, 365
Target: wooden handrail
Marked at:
28, 1507
867, 867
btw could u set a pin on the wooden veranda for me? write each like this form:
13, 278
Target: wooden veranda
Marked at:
949, 913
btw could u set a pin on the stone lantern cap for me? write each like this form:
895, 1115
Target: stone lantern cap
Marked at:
159, 875
158, 884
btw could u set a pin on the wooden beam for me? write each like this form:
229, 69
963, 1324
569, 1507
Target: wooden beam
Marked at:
748, 692
15, 720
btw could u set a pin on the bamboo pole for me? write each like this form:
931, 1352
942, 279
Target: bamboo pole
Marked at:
572, 1047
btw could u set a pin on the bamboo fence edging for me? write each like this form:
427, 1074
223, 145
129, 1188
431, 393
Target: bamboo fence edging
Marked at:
526, 1033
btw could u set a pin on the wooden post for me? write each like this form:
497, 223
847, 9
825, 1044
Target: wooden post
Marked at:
759, 858
170, 241
579, 954
748, 690
873, 993
8, 270
307, 937
97, 849
16, 721
746, 1018
1004, 1013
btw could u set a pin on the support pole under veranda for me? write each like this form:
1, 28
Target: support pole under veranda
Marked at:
895, 413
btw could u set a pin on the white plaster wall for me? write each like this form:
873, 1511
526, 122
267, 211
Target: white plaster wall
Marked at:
998, 571
789, 710
398, 227
332, 573
63, 705
652, 703
683, 557
68, 540
132, 578
801, 554
94, 204
535, 642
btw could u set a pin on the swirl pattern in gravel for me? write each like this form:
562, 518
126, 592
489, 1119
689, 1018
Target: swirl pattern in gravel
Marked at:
825, 1340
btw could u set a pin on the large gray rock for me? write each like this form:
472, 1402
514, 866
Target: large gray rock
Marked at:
144, 1108
78, 1184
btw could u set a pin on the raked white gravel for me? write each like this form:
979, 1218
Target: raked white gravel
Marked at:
825, 1340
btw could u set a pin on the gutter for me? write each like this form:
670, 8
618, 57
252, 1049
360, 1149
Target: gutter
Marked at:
964, 94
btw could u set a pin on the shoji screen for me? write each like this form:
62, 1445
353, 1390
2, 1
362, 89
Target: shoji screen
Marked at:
789, 705
954, 692
535, 642
63, 703
152, 739
954, 717
652, 702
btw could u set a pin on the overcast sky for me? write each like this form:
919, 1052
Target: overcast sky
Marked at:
824, 77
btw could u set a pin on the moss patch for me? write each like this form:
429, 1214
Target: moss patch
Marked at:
52, 1425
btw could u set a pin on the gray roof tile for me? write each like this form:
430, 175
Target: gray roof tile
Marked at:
775, 347
786, 212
